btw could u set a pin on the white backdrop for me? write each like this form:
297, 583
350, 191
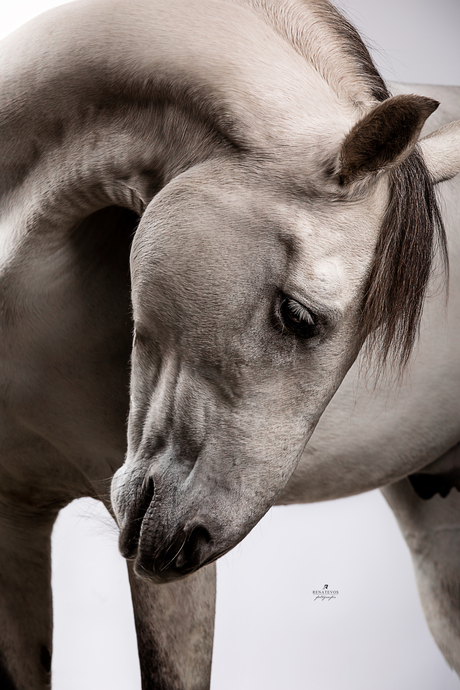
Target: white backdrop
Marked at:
270, 634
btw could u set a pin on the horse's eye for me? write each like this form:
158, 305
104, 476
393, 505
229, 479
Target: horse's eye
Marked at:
296, 318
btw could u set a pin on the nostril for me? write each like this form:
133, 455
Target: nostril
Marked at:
148, 495
129, 538
193, 552
200, 535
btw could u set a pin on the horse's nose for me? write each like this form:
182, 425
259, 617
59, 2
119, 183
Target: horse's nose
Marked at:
194, 550
187, 551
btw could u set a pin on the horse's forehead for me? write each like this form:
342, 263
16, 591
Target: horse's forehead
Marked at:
330, 244
304, 219
239, 236
338, 232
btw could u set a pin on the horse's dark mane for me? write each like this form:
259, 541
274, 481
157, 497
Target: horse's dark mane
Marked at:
411, 232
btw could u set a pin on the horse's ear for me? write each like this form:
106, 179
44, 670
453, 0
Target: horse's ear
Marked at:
384, 137
441, 151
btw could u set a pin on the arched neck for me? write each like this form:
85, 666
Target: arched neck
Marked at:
104, 102
123, 159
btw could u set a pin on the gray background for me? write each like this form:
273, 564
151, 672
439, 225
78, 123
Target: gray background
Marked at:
270, 634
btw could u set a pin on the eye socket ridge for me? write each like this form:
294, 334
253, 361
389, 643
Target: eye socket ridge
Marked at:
296, 319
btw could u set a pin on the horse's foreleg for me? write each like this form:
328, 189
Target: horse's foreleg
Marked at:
25, 597
175, 629
431, 529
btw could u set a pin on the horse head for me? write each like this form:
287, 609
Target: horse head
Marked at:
248, 307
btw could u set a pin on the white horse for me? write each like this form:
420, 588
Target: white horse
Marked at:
287, 214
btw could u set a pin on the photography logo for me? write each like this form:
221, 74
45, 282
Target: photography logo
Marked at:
325, 594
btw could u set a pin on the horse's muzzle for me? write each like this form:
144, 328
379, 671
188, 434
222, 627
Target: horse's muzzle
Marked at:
161, 556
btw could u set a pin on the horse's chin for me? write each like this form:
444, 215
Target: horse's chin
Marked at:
163, 558
161, 568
